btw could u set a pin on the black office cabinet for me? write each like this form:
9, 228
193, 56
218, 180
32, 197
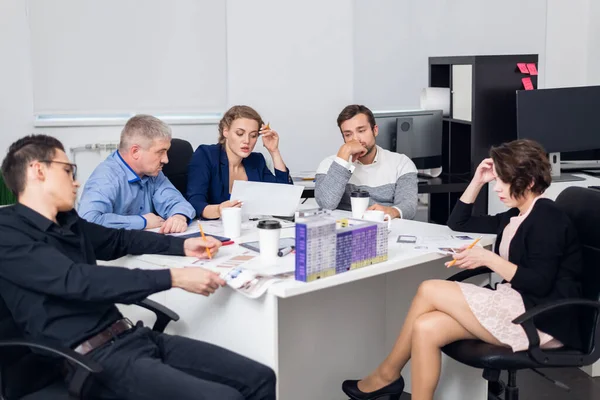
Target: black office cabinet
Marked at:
482, 114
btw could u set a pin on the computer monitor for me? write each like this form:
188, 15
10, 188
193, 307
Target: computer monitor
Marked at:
418, 134
561, 120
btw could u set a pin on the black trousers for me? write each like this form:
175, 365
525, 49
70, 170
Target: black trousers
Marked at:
146, 365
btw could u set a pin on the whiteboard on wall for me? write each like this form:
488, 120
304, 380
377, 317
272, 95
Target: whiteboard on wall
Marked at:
115, 57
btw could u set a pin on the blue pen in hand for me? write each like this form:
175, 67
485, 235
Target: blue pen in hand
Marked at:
285, 251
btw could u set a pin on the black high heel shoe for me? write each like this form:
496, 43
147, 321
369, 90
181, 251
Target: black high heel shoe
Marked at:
393, 391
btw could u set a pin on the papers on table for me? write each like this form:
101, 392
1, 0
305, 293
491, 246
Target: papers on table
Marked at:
192, 228
243, 273
240, 268
168, 261
229, 257
215, 227
304, 175
444, 244
212, 227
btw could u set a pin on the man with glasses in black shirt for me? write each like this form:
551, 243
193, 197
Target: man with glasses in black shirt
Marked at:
52, 286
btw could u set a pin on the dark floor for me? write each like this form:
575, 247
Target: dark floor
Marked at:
534, 387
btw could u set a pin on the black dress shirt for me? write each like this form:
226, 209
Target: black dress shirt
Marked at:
547, 253
51, 284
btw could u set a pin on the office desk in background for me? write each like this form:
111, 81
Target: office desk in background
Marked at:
309, 188
315, 335
442, 184
495, 206
444, 191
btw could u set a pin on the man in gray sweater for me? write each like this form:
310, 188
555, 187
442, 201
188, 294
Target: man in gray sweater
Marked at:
390, 178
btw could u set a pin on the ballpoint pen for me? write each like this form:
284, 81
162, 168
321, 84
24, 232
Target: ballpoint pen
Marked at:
285, 251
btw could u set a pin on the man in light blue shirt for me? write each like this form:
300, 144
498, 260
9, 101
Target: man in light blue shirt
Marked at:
128, 189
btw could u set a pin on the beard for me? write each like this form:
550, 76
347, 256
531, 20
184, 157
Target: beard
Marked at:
369, 150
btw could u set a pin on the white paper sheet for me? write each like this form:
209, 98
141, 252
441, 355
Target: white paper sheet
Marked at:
260, 198
444, 244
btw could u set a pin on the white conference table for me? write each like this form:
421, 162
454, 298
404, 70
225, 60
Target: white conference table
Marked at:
315, 335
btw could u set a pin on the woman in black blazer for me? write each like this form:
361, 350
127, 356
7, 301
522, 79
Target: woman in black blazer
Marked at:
538, 255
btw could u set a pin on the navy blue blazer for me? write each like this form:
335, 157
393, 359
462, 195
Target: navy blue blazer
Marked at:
208, 175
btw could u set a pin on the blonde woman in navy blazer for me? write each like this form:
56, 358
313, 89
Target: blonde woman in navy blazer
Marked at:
214, 168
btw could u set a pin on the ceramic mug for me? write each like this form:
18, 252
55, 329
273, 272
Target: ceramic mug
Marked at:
377, 216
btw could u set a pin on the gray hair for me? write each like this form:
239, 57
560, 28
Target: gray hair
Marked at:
142, 130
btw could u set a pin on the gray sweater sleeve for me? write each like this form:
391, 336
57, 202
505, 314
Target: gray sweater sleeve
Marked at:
405, 197
330, 187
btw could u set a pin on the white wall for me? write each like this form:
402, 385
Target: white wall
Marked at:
297, 78
16, 93
299, 64
118, 57
394, 40
16, 100
567, 43
593, 50
293, 62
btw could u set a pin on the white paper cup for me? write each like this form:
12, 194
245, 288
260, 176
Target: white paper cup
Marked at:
359, 200
269, 232
377, 216
232, 222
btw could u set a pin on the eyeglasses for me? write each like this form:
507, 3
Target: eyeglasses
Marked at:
73, 167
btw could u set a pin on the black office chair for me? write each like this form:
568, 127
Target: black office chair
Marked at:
28, 375
179, 154
582, 207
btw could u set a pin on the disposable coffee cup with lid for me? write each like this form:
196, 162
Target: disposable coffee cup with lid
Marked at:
269, 232
359, 201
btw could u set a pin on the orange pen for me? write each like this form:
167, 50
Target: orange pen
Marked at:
204, 237
470, 247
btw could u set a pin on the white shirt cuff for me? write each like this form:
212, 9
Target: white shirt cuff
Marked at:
399, 210
345, 164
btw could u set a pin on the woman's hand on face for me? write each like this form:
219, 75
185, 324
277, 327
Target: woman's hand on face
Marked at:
270, 138
485, 172
472, 258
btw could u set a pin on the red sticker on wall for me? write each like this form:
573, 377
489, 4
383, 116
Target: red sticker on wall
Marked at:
527, 83
532, 69
523, 68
